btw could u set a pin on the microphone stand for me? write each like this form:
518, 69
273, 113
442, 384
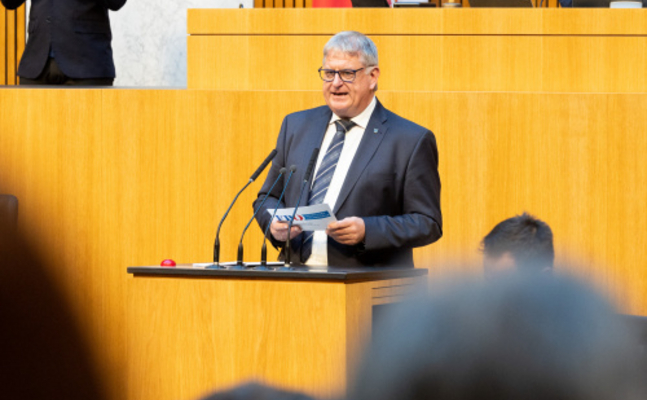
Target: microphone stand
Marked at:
263, 265
239, 263
216, 245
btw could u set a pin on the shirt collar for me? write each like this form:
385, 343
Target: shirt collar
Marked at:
362, 119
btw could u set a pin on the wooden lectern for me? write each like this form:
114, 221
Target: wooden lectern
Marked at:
199, 330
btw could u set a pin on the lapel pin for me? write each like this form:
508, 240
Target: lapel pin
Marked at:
375, 130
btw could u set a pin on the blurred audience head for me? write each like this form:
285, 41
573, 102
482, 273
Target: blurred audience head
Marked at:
257, 391
42, 352
511, 339
8, 211
519, 244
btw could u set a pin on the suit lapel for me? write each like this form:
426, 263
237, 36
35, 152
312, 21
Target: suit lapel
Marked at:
373, 135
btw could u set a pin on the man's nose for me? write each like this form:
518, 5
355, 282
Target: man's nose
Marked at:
337, 80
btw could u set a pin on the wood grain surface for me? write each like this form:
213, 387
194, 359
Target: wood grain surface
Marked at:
12, 43
548, 50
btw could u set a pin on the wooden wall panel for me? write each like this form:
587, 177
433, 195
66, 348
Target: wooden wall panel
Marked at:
242, 62
558, 156
626, 216
545, 4
12, 43
48, 147
432, 63
412, 21
11, 48
424, 50
112, 178
280, 4
3, 46
260, 4
21, 33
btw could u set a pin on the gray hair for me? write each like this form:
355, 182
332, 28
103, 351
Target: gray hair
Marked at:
353, 43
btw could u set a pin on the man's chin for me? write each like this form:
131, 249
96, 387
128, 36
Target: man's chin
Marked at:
340, 111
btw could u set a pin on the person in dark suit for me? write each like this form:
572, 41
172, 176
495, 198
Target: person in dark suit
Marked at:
69, 42
376, 170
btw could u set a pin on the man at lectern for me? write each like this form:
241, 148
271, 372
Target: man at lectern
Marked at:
69, 42
377, 171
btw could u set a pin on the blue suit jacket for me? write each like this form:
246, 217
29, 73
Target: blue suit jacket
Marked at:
77, 30
392, 183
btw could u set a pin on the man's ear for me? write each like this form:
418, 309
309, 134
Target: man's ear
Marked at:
375, 74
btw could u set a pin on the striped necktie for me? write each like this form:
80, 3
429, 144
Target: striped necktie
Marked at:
325, 173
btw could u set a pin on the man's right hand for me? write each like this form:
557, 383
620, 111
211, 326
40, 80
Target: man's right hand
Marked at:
279, 230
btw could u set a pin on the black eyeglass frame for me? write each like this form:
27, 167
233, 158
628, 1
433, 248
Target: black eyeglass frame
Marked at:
338, 72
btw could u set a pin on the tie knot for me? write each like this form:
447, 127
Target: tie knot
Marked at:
344, 125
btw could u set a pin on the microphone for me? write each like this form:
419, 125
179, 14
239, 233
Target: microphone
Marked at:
216, 245
306, 179
293, 169
240, 244
260, 169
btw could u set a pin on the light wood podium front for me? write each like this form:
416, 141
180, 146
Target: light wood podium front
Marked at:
197, 330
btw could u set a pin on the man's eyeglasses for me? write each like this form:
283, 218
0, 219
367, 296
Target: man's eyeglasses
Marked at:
346, 75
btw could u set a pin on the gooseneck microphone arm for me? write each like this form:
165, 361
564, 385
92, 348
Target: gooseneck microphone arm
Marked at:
306, 180
216, 245
293, 169
240, 244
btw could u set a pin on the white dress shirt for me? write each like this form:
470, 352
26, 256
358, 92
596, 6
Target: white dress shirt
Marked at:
319, 256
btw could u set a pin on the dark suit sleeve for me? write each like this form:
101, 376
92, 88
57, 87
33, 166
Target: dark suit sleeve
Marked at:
113, 5
12, 4
263, 217
420, 222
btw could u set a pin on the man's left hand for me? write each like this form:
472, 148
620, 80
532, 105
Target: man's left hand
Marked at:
348, 231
